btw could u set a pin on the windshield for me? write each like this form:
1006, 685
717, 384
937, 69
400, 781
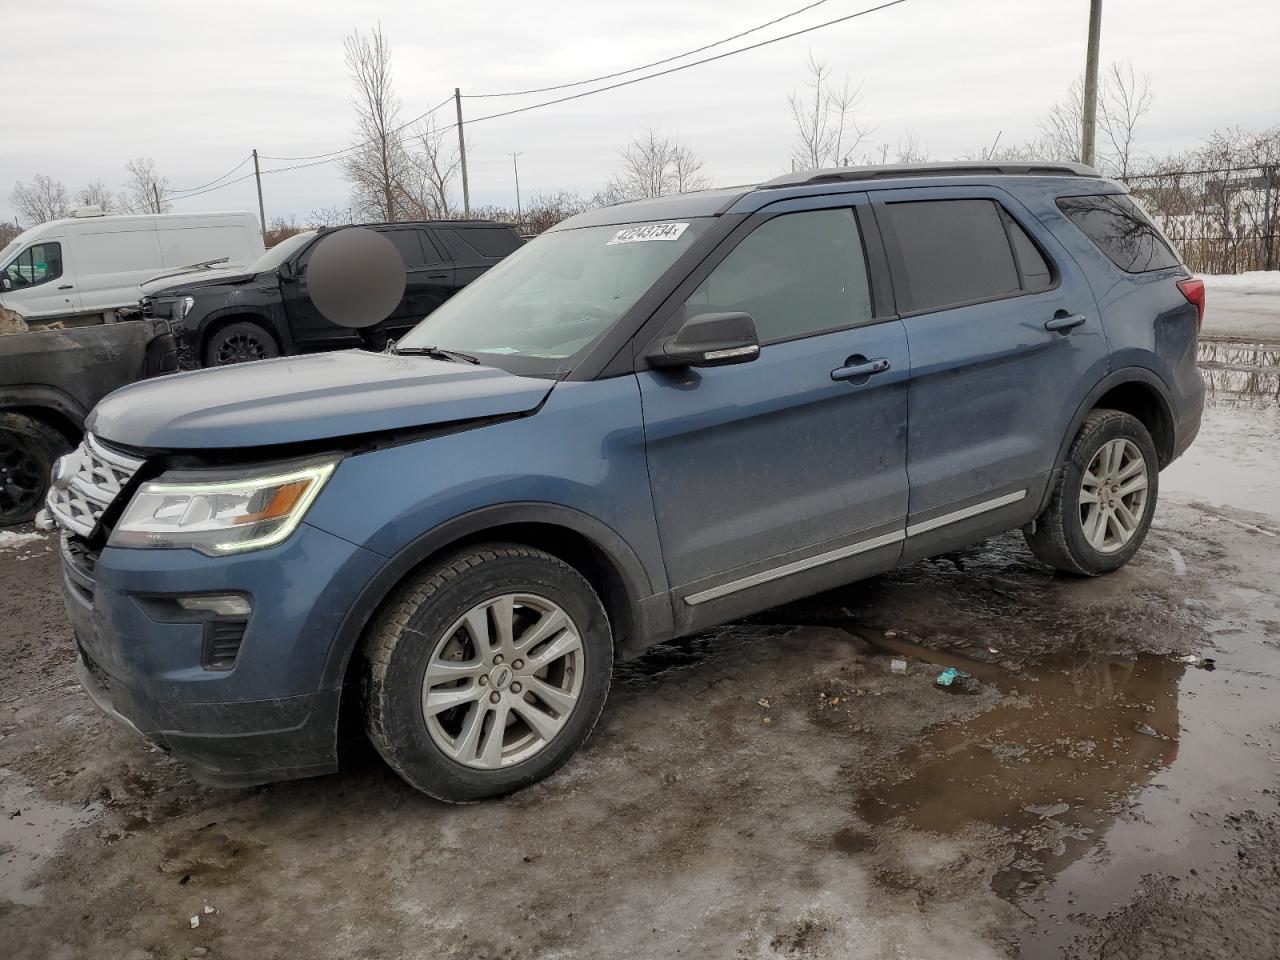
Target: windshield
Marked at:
281, 252
556, 295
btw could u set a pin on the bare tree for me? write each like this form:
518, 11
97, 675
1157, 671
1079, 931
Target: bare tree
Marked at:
828, 131
331, 217
1125, 100
425, 184
378, 164
96, 193
7, 232
654, 166
41, 200
145, 191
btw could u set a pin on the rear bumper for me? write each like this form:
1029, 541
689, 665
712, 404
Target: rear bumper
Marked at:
1186, 429
268, 717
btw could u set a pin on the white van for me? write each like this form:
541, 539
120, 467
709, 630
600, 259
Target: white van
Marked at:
87, 266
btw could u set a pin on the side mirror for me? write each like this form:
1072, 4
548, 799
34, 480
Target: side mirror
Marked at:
709, 340
5, 283
285, 271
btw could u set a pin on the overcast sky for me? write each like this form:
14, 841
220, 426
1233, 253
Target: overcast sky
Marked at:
196, 85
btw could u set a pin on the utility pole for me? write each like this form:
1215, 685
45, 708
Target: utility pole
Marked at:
516, 168
462, 155
1091, 83
155, 192
262, 213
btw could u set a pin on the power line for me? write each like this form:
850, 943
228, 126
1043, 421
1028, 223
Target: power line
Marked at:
323, 158
188, 196
646, 66
695, 63
365, 143
211, 182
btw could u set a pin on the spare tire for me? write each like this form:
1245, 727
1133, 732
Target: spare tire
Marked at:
28, 450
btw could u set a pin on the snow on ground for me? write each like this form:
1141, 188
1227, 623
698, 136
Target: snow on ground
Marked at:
1250, 280
11, 541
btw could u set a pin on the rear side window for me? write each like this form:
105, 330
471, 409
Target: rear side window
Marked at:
1121, 230
491, 242
796, 275
410, 247
949, 252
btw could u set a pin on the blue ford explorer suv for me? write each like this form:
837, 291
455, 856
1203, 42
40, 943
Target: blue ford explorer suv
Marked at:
654, 418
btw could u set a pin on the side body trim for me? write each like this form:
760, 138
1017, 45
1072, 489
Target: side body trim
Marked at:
853, 549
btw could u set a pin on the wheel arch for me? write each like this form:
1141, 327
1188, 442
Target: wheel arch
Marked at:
50, 406
1133, 390
591, 547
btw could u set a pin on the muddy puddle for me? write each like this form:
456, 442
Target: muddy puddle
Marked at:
31, 830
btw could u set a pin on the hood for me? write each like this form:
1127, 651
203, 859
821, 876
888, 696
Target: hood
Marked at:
178, 282
316, 397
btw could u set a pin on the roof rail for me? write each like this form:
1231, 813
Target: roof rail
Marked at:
965, 168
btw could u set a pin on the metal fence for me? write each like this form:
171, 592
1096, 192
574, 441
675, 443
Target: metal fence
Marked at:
1222, 219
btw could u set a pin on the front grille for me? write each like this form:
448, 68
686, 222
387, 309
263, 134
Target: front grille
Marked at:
85, 482
222, 643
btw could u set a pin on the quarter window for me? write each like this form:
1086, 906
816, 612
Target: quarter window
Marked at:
1119, 228
796, 275
37, 264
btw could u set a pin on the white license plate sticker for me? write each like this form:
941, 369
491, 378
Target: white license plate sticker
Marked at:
649, 231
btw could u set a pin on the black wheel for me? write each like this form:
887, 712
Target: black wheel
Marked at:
240, 343
486, 672
1104, 499
28, 449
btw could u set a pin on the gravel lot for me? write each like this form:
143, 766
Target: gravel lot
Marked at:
773, 788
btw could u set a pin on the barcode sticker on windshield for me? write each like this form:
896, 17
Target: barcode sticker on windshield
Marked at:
650, 231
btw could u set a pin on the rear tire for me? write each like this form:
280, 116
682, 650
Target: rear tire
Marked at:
28, 450
240, 343
1104, 499
486, 672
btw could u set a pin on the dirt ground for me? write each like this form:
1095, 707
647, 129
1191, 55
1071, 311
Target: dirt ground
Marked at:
773, 788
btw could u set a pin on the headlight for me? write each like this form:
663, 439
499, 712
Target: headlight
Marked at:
222, 516
182, 307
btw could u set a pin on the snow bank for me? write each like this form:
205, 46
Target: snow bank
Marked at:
1267, 281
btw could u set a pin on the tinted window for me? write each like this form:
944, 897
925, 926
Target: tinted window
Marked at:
489, 242
948, 252
1121, 231
1032, 267
410, 246
796, 274
35, 265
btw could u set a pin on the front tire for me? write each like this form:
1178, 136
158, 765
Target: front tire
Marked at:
240, 343
486, 672
1104, 499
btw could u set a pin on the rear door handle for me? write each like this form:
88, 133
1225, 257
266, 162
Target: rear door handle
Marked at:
860, 368
437, 276
1064, 323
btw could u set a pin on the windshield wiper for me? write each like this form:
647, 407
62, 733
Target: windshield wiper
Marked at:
438, 352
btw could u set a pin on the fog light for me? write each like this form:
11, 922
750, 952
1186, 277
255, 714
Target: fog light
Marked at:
223, 604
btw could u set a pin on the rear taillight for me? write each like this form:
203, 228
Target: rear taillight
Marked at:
1193, 290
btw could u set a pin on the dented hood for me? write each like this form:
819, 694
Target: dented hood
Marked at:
316, 397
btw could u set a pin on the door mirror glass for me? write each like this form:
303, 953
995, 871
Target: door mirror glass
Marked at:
5, 284
709, 340
285, 271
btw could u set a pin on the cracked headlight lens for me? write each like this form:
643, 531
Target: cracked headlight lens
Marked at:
218, 517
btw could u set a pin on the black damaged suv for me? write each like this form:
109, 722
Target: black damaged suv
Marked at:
224, 317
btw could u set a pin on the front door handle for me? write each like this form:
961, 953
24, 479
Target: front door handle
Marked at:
437, 276
860, 368
66, 286
1064, 322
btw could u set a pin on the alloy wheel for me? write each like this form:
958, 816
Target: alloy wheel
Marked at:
1113, 495
241, 348
503, 680
21, 480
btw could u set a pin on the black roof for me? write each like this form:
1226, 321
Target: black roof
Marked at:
960, 168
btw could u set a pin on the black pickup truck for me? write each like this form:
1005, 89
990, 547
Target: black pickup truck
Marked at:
222, 316
49, 381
